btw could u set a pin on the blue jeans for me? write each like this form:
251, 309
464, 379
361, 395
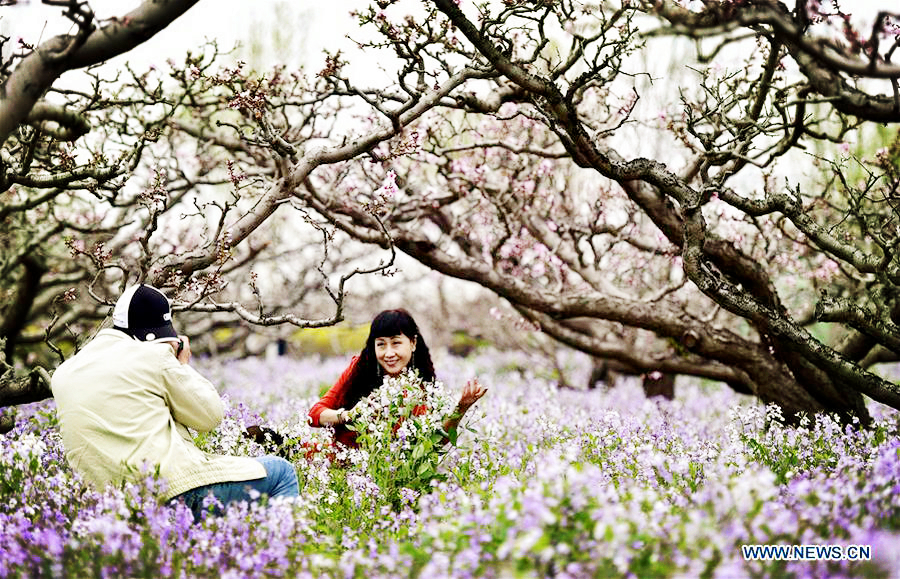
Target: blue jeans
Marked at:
280, 481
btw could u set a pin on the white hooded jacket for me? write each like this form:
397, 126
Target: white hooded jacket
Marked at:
124, 409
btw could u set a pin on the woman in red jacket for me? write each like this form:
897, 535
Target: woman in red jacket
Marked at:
394, 344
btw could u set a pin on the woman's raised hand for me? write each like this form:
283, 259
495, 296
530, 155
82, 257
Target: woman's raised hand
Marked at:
471, 393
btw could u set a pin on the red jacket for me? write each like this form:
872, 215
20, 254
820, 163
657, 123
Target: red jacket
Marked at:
333, 400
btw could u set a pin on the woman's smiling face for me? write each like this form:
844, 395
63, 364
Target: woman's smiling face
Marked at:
394, 352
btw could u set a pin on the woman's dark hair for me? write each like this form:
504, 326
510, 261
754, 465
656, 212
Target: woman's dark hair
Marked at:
366, 375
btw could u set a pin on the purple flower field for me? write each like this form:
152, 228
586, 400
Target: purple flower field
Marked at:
543, 482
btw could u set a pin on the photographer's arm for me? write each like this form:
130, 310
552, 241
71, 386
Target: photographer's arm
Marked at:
192, 399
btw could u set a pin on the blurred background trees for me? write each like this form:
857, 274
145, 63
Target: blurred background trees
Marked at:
698, 188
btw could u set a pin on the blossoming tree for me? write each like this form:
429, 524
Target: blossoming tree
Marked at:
98, 189
684, 187
532, 177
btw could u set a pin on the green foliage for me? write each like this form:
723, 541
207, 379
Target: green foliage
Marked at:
335, 340
464, 344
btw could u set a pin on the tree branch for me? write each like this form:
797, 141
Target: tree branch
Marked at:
36, 72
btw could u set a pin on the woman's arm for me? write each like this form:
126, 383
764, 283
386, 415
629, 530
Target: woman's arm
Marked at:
327, 411
471, 393
329, 417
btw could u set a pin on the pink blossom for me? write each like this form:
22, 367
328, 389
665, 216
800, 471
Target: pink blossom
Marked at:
826, 271
389, 187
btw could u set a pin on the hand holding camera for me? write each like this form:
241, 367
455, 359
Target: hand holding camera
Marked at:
182, 349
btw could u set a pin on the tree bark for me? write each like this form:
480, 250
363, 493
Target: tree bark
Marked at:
18, 389
15, 315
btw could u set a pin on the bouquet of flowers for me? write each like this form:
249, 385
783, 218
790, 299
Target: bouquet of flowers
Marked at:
400, 431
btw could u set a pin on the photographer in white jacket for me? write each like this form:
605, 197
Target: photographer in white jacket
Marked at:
125, 403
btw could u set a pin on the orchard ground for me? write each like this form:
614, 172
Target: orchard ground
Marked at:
543, 482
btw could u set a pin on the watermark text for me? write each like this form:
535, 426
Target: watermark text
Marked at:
806, 552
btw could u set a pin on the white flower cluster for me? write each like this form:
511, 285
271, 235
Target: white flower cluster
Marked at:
402, 410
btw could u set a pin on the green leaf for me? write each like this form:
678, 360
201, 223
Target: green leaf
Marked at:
453, 435
424, 468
